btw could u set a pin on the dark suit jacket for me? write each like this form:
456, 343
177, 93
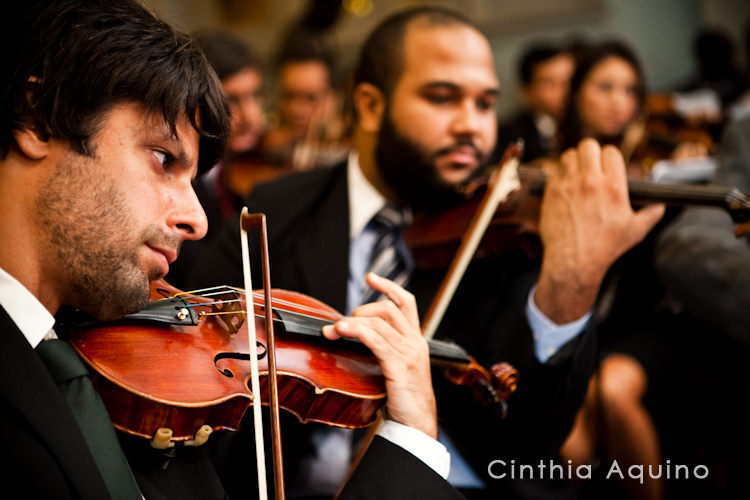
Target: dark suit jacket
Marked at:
44, 452
523, 126
308, 226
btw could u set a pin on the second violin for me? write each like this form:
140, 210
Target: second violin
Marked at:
434, 238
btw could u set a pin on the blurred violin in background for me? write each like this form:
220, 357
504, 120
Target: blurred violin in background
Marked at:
434, 237
243, 172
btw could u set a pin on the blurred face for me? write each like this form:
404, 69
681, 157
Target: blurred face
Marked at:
549, 85
441, 111
115, 221
304, 94
608, 98
244, 91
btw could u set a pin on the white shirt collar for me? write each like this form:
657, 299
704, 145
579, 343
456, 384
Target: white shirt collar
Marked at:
31, 317
364, 200
546, 125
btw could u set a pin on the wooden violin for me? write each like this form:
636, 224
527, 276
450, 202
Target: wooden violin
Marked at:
433, 238
181, 363
242, 173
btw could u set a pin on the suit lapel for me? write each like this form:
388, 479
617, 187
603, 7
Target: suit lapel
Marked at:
322, 253
39, 401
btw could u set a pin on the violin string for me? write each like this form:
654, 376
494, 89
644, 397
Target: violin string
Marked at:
257, 315
436, 346
275, 304
218, 290
650, 189
197, 293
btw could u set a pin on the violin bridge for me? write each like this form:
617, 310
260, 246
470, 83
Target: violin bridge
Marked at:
228, 311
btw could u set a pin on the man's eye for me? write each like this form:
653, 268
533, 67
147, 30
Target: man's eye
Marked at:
439, 98
162, 157
486, 104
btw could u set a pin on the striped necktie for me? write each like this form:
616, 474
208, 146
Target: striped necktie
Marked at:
387, 260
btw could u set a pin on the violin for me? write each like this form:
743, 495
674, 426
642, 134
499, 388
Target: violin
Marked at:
245, 171
181, 363
434, 237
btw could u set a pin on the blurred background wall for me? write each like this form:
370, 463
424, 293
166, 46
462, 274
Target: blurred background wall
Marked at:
661, 31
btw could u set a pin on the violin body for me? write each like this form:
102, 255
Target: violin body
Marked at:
434, 238
181, 377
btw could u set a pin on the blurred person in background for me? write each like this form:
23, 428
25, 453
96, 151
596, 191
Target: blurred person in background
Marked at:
308, 129
544, 71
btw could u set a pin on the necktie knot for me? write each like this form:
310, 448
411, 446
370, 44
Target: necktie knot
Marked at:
392, 217
387, 260
61, 360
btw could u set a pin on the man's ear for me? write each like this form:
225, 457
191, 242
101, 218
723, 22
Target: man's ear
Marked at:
369, 103
30, 144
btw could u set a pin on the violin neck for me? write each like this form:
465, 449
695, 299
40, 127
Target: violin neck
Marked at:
293, 323
730, 199
444, 351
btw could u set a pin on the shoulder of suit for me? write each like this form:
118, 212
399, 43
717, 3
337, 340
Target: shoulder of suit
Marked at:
285, 199
295, 185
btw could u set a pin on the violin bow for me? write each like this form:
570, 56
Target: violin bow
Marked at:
502, 182
249, 221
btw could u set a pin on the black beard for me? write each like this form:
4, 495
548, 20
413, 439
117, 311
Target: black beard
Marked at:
410, 173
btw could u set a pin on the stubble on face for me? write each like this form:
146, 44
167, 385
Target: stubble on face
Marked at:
93, 240
411, 173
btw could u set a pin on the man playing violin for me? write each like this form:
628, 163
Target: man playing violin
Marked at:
107, 116
425, 94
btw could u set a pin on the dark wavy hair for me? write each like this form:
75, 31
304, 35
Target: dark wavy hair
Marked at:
227, 54
571, 129
381, 58
68, 62
534, 56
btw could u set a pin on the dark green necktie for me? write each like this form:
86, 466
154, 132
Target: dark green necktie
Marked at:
71, 376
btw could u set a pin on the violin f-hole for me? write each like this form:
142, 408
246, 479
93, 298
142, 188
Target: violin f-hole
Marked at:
238, 356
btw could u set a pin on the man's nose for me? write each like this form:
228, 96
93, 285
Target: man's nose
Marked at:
620, 98
466, 120
189, 217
